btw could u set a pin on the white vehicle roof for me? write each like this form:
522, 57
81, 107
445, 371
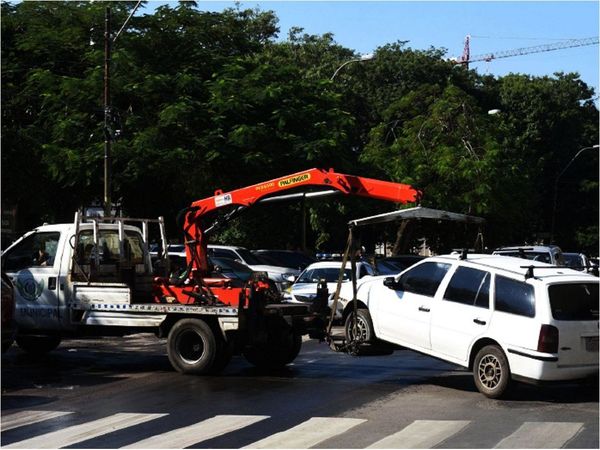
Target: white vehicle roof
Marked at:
520, 266
230, 247
331, 264
529, 248
82, 226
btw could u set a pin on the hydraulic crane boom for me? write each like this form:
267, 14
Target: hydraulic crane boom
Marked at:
327, 181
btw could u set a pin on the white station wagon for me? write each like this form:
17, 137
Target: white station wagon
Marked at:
489, 314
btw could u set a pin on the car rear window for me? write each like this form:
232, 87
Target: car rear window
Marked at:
514, 297
574, 301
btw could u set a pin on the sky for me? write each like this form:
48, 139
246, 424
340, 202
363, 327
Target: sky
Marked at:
493, 26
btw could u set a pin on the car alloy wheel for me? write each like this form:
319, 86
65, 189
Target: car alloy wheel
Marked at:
490, 371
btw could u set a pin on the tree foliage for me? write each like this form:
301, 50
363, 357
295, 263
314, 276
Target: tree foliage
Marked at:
203, 101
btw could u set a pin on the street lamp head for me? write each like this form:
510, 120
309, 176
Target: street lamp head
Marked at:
367, 57
493, 112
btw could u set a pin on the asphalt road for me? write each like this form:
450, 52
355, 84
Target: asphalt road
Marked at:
115, 392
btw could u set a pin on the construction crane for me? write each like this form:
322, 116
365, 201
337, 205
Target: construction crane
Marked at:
466, 57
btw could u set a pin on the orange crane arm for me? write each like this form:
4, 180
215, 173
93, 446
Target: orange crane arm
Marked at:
307, 180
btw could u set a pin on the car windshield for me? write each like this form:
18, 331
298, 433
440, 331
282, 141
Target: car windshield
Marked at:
286, 259
329, 274
535, 256
231, 267
248, 257
572, 260
574, 301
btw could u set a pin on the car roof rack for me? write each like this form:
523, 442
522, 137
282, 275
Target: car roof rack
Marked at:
530, 268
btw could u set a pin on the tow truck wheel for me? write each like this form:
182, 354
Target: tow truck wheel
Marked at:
38, 345
223, 357
277, 353
364, 326
192, 347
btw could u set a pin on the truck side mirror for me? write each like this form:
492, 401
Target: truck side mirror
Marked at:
391, 283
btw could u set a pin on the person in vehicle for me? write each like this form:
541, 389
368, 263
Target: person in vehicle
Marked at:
40, 258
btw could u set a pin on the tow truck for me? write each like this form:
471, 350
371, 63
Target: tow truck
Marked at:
94, 277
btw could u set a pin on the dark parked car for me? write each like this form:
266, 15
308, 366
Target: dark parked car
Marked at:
8, 313
222, 268
284, 258
396, 264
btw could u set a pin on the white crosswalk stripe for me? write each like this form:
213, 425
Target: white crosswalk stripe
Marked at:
201, 431
22, 418
308, 433
422, 434
78, 433
541, 435
419, 434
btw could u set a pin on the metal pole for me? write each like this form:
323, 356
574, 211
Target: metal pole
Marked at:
556, 187
107, 132
304, 223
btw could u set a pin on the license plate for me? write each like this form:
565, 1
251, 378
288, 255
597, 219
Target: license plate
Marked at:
591, 344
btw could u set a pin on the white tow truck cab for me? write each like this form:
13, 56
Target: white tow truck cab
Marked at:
95, 278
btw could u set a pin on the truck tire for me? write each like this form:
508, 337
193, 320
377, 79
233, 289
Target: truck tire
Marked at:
278, 352
192, 347
365, 332
38, 345
491, 372
7, 344
223, 357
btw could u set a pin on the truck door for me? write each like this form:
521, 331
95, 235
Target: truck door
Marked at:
33, 265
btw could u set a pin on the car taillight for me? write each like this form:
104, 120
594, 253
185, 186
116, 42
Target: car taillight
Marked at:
548, 341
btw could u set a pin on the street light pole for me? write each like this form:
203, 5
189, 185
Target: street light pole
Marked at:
107, 125
556, 186
107, 131
366, 57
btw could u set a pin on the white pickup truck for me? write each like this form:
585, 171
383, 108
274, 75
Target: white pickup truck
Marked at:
96, 278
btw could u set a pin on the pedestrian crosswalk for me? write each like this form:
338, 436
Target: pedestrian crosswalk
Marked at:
70, 430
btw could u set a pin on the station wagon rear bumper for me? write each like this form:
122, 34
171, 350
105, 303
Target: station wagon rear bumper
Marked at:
535, 366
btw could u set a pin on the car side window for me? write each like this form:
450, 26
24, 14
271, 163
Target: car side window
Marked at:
469, 287
36, 250
514, 297
222, 253
425, 278
362, 272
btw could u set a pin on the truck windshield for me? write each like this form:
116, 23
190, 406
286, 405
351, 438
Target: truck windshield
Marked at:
574, 301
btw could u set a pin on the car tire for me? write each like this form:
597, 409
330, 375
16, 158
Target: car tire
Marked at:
491, 372
277, 353
38, 345
364, 324
192, 347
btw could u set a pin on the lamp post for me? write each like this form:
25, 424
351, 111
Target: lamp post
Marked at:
107, 130
362, 58
366, 57
556, 186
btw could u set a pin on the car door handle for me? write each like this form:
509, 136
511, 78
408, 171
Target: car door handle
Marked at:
479, 321
422, 308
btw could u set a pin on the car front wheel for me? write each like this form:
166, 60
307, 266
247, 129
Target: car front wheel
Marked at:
491, 371
364, 327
